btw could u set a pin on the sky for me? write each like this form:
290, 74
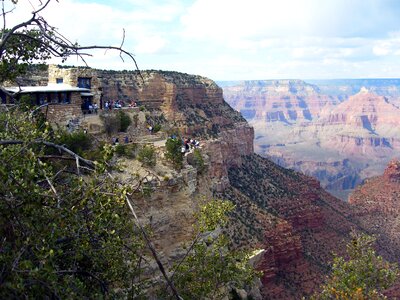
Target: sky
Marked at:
235, 39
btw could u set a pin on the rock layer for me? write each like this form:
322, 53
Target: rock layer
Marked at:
351, 132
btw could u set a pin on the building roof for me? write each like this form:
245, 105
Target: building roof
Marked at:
52, 87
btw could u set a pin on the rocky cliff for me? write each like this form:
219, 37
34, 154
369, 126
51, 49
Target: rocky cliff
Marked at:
288, 215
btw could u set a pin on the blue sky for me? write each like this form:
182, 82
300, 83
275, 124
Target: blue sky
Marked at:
234, 39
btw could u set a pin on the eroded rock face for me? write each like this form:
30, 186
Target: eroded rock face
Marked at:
286, 101
285, 213
378, 209
297, 223
351, 132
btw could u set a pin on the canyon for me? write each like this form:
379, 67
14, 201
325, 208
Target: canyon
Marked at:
338, 131
295, 225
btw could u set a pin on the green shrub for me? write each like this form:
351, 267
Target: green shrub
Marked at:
361, 275
125, 121
115, 122
76, 141
198, 160
173, 152
147, 155
128, 150
26, 102
156, 128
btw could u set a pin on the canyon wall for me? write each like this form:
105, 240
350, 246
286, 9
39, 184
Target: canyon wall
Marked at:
286, 214
339, 131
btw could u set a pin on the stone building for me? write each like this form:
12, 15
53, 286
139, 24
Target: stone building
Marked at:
65, 101
104, 85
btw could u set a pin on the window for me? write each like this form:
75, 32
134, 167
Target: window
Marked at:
59, 80
84, 82
65, 97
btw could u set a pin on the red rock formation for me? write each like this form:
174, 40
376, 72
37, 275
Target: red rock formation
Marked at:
277, 100
308, 225
378, 205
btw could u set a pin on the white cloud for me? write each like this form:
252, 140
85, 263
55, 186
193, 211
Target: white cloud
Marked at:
236, 39
151, 45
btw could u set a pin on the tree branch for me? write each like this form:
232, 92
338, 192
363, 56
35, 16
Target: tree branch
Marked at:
153, 251
53, 145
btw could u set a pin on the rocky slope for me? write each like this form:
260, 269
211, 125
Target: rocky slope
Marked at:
290, 216
345, 126
379, 202
286, 214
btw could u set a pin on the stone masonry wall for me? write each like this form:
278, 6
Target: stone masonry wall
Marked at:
60, 114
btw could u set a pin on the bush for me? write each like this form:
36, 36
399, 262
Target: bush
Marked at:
363, 275
128, 151
147, 156
198, 161
156, 128
77, 141
114, 123
111, 123
125, 121
173, 152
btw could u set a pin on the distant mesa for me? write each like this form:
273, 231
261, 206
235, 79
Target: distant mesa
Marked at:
323, 123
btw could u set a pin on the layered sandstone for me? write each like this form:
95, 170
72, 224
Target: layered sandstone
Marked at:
351, 135
277, 100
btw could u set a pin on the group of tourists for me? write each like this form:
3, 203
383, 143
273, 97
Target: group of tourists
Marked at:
189, 144
93, 108
113, 104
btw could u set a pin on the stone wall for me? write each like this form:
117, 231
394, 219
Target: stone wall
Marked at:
60, 114
70, 76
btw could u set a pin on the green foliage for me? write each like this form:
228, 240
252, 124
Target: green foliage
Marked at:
114, 122
147, 155
124, 120
127, 150
22, 50
198, 160
364, 275
76, 141
26, 102
156, 128
64, 235
210, 269
173, 152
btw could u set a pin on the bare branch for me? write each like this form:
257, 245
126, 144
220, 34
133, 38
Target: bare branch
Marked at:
53, 145
42, 8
